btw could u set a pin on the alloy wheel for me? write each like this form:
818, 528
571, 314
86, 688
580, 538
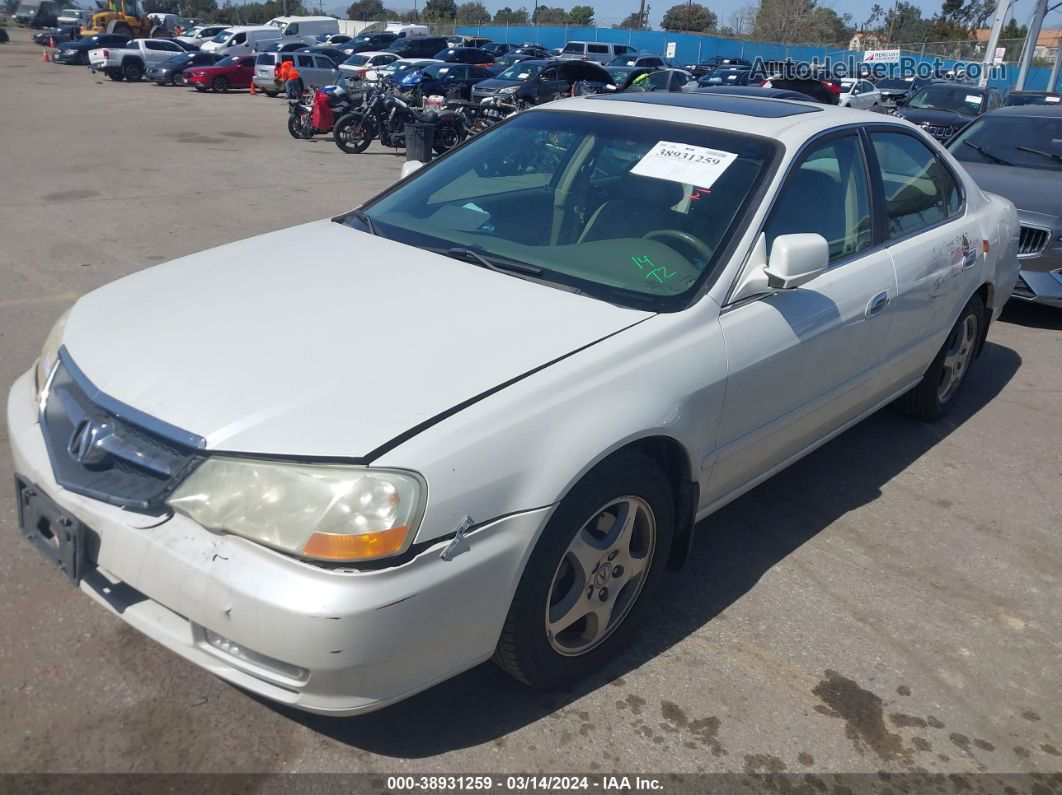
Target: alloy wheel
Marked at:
959, 351
600, 575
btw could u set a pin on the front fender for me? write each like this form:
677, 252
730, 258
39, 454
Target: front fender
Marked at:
525, 446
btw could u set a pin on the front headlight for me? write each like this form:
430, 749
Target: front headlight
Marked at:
508, 90
49, 355
324, 512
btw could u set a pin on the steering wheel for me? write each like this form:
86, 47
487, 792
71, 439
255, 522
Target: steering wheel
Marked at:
683, 237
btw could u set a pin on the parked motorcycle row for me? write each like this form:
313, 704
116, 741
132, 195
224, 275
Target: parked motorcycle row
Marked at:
356, 115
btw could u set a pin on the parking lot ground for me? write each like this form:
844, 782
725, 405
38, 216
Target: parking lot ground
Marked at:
892, 602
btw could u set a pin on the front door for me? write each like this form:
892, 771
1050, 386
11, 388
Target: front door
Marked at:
801, 361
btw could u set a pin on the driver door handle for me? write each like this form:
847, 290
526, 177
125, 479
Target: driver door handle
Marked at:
876, 304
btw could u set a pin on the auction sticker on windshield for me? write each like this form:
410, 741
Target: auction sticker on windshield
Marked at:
686, 163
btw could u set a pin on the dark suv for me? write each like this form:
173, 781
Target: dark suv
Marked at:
943, 108
418, 46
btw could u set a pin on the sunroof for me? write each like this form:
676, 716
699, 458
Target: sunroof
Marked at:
746, 106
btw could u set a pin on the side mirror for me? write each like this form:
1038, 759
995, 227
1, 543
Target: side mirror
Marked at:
409, 167
796, 259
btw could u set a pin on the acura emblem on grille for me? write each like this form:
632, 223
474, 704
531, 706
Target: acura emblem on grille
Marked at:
86, 442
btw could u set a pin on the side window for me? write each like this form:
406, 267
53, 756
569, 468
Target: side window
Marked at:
239, 38
166, 45
598, 49
292, 29
832, 179
305, 60
324, 63
919, 190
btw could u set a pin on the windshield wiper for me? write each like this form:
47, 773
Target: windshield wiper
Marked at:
494, 264
985, 153
1051, 155
362, 216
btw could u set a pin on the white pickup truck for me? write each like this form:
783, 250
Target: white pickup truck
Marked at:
131, 61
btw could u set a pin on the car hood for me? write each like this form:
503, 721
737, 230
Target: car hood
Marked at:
496, 84
939, 117
321, 340
1031, 189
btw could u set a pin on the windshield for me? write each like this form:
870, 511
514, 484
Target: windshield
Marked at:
178, 59
624, 60
357, 60
26, 8
634, 213
1023, 141
223, 36
521, 71
894, 82
229, 61
964, 101
436, 70
573, 47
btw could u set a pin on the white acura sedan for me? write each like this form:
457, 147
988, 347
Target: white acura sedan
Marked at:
479, 416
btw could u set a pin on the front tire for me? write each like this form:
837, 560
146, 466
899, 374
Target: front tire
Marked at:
221, 84
591, 574
297, 126
929, 401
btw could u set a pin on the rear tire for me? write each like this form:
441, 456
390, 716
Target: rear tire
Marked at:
447, 136
132, 72
585, 567
929, 401
115, 75
353, 133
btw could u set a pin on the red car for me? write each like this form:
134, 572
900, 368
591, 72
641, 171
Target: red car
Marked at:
235, 71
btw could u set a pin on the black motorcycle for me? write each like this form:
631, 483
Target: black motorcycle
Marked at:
384, 115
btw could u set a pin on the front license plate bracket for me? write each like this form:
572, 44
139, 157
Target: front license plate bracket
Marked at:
56, 534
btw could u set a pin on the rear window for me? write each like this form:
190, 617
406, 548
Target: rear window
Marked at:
573, 47
265, 59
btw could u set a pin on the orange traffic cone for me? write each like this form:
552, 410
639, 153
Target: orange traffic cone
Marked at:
252, 88
44, 55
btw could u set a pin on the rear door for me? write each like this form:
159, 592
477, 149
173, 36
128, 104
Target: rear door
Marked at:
801, 362
936, 244
158, 51
307, 70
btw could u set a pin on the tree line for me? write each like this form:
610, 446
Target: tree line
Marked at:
785, 21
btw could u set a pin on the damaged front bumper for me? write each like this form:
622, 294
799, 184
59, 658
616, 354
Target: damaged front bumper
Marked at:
336, 642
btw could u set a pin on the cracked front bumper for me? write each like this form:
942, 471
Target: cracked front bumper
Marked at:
326, 641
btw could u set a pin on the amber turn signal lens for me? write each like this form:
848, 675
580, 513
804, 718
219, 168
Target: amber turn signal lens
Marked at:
364, 546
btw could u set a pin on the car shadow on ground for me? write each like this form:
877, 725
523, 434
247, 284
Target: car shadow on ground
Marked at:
1022, 313
732, 550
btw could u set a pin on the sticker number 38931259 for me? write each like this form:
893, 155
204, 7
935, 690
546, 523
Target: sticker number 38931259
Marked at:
686, 163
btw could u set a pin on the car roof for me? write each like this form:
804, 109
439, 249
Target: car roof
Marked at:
749, 106
1052, 110
1024, 93
782, 119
